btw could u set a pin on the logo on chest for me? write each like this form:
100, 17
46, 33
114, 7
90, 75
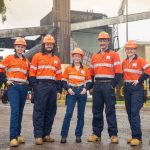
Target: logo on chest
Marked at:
107, 57
134, 64
55, 62
82, 71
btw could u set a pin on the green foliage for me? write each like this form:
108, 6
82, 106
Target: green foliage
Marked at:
3, 10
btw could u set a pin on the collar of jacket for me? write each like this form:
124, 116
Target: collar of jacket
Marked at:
16, 56
105, 51
135, 57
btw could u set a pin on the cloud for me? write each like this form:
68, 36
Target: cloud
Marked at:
27, 13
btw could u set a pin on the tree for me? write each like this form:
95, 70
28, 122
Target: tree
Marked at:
3, 10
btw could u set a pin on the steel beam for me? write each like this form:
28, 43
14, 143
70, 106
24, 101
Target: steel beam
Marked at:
31, 31
110, 21
75, 26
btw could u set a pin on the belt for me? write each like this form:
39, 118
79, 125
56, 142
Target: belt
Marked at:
77, 86
45, 80
21, 83
103, 81
130, 83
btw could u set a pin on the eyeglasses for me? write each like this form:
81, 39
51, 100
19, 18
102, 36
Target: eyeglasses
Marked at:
20, 46
129, 49
103, 40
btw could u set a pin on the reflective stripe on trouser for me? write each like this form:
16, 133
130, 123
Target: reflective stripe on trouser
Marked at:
70, 102
103, 94
44, 108
17, 96
134, 99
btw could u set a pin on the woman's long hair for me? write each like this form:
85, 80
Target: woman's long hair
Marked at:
81, 65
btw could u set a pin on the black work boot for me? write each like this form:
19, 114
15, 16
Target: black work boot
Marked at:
78, 139
63, 140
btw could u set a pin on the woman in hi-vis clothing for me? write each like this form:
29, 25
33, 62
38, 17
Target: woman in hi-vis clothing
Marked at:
135, 71
16, 67
76, 81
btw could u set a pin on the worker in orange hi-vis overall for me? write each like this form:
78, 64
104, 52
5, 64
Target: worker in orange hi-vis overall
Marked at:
2, 76
45, 78
135, 71
16, 67
106, 69
76, 81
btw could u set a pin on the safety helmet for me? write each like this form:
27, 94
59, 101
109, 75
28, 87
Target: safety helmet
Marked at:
49, 39
131, 44
20, 41
103, 35
78, 51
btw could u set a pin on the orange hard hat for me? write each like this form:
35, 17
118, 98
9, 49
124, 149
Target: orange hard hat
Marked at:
78, 51
49, 39
131, 44
103, 35
20, 41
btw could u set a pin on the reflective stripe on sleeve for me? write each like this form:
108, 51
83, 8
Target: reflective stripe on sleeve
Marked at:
103, 65
17, 69
104, 76
133, 71
46, 67
76, 77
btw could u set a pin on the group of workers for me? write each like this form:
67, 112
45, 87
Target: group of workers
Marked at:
45, 77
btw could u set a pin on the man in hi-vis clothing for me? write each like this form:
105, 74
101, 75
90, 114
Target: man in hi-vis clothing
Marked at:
106, 70
45, 78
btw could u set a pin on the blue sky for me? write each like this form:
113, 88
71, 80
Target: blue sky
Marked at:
27, 13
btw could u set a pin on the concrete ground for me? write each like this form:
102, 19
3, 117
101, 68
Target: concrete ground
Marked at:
27, 131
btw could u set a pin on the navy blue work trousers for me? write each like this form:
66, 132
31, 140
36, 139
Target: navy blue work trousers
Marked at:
44, 108
17, 95
134, 99
104, 96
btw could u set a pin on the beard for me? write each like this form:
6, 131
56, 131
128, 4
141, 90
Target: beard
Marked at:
130, 55
49, 50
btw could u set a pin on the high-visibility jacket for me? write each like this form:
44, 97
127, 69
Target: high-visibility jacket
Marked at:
44, 66
76, 77
2, 76
105, 66
16, 68
1, 70
134, 69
